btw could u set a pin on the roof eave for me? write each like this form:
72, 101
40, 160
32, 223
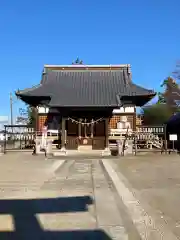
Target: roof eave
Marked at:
138, 100
26, 90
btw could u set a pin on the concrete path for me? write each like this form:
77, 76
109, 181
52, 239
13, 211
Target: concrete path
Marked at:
85, 178
69, 199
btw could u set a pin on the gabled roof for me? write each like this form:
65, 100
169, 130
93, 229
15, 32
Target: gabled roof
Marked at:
88, 88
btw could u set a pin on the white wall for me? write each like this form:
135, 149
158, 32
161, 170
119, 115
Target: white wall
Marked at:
43, 110
128, 109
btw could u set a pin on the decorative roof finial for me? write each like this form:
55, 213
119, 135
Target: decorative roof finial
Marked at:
77, 62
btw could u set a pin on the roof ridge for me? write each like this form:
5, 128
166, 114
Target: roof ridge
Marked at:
88, 65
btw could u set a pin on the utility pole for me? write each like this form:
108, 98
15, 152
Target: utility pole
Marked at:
11, 108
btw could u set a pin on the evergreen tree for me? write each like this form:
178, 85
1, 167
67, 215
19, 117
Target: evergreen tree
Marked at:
170, 92
167, 104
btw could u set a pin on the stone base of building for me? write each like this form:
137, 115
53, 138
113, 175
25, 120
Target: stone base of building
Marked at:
85, 148
85, 153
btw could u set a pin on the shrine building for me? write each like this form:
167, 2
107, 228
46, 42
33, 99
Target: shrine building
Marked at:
82, 104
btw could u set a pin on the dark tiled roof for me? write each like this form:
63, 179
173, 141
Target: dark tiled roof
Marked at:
86, 88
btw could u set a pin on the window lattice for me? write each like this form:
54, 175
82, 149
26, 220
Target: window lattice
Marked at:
42, 120
115, 119
113, 122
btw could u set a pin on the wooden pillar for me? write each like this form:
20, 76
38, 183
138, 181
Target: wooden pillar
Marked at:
85, 129
36, 117
106, 132
92, 128
36, 131
79, 128
134, 120
63, 133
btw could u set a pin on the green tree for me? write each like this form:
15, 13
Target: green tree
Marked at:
156, 114
27, 116
167, 96
31, 111
166, 106
161, 98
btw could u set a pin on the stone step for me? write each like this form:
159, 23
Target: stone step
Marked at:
85, 148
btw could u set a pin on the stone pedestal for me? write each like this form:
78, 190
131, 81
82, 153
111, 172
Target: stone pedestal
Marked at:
63, 149
1, 150
49, 147
38, 147
61, 152
129, 150
119, 146
106, 152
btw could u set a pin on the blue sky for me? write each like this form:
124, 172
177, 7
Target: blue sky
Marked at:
145, 34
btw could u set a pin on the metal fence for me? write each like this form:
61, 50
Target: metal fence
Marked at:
18, 137
150, 138
157, 130
144, 139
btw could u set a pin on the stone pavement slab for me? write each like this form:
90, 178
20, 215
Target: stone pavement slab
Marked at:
108, 216
22, 172
69, 202
154, 181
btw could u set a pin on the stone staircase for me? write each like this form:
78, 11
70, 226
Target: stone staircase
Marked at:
157, 144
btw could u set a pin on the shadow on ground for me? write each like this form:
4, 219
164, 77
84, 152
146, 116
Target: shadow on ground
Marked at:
26, 225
